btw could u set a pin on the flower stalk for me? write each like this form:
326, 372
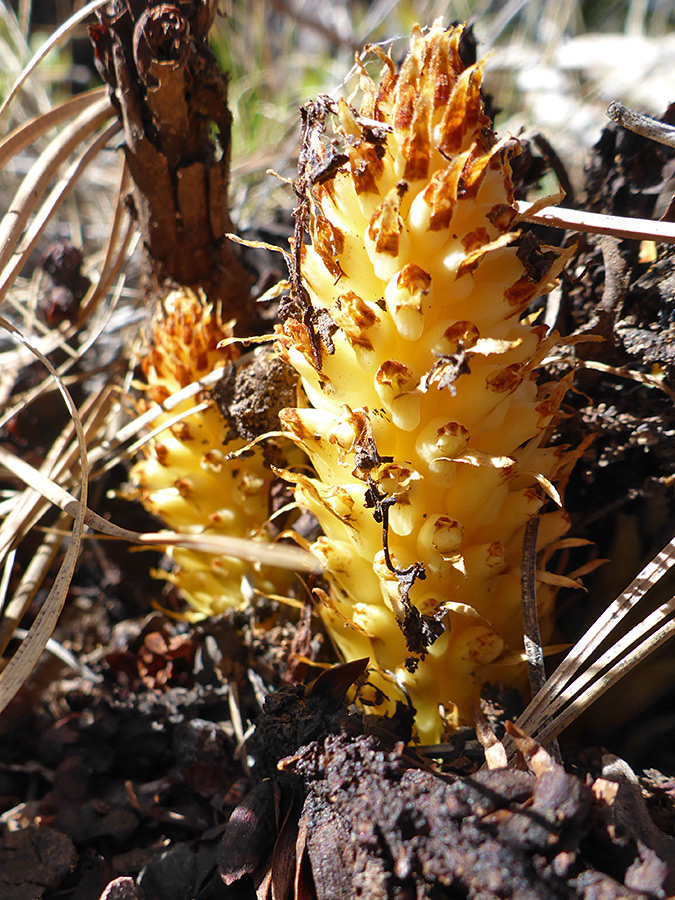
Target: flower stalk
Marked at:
427, 422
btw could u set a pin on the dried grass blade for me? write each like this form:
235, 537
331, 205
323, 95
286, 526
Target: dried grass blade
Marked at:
31, 580
24, 660
115, 249
27, 655
252, 551
29, 508
62, 653
5, 580
13, 360
11, 24
114, 255
282, 555
602, 678
650, 381
597, 223
536, 715
531, 632
22, 400
15, 53
51, 42
29, 132
56, 196
43, 171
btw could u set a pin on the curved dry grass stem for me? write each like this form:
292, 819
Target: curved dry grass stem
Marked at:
588, 688
24, 660
54, 199
62, 32
61, 466
118, 241
579, 679
35, 128
284, 556
35, 573
41, 173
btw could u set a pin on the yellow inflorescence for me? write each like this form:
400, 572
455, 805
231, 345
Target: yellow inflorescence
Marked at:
186, 478
427, 427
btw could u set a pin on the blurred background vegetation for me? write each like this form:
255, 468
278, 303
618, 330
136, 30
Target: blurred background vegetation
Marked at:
556, 65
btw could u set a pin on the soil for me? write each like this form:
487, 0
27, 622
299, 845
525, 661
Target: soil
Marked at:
137, 785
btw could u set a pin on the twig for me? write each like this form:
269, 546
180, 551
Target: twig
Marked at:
531, 633
556, 164
638, 123
597, 223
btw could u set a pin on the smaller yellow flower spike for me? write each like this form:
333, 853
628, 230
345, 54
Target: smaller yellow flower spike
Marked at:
186, 478
427, 424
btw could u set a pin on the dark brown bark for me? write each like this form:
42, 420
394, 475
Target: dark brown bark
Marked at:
171, 97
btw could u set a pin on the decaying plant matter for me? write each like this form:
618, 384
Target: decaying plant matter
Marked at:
428, 427
171, 97
351, 813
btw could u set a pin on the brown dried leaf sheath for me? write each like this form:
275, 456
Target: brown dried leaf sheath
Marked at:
169, 93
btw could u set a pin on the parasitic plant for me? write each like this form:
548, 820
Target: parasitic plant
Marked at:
427, 421
186, 477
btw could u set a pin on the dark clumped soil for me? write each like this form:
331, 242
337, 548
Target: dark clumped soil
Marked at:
622, 292
137, 784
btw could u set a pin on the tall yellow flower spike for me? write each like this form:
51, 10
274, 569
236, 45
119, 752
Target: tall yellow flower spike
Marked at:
427, 427
186, 478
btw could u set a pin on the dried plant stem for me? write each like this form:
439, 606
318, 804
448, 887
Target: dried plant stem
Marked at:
545, 716
593, 683
24, 660
32, 578
254, 551
646, 126
120, 234
60, 463
43, 171
597, 223
35, 128
48, 45
55, 197
531, 634
176, 125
